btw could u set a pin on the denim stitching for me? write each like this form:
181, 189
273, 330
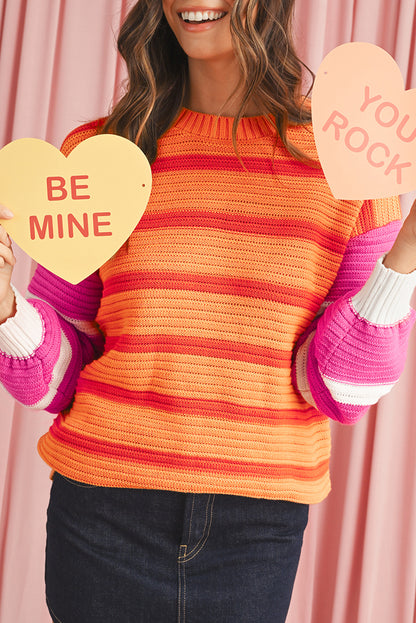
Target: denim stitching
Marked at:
203, 532
191, 517
207, 529
184, 592
181, 587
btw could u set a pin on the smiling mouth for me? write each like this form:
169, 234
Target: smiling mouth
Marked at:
201, 17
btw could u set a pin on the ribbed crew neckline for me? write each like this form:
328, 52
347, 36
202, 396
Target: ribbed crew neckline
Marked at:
212, 126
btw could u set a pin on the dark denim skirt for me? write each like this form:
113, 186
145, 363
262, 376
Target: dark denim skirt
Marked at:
135, 556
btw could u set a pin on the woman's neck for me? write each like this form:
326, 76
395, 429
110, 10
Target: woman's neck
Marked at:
216, 88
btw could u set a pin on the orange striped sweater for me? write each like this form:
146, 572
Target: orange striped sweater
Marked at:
193, 386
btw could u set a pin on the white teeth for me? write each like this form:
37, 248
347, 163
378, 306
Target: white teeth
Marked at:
201, 16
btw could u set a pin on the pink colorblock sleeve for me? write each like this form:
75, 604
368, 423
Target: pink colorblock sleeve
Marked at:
354, 351
51, 338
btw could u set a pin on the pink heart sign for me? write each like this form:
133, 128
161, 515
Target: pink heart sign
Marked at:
364, 123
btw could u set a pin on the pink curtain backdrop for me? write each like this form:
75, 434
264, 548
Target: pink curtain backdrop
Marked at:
59, 68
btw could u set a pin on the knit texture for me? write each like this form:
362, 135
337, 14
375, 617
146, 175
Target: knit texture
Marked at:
201, 311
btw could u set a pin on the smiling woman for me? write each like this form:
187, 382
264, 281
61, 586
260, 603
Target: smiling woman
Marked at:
222, 67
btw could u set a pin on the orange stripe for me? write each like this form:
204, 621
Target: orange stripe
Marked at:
274, 227
146, 456
229, 255
193, 406
100, 417
109, 472
205, 315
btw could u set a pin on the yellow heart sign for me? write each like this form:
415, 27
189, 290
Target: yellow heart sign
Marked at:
72, 214
364, 123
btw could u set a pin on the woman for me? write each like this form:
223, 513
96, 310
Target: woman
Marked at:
194, 374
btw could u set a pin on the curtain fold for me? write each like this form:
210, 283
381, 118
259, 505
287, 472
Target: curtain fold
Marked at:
358, 564
59, 68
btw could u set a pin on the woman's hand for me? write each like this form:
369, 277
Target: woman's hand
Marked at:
402, 257
7, 262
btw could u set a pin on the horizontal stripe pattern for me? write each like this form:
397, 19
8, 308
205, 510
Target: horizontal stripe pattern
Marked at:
189, 406
201, 310
143, 455
261, 437
242, 224
212, 284
257, 166
74, 463
222, 349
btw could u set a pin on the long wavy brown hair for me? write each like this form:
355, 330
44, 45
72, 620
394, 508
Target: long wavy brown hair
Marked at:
157, 67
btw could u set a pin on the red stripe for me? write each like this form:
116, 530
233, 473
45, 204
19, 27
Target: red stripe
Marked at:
86, 127
287, 228
204, 347
198, 407
211, 284
174, 460
268, 166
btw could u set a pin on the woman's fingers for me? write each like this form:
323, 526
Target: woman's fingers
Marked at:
6, 253
7, 262
5, 212
4, 237
6, 256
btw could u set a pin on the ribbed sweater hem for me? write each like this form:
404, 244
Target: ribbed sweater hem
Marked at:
82, 468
